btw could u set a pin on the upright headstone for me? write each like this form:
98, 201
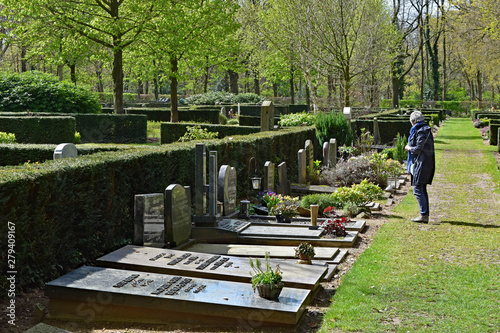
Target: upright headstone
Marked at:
302, 166
376, 132
149, 221
224, 111
332, 153
326, 154
200, 178
284, 183
203, 190
64, 150
227, 189
269, 176
267, 116
177, 214
212, 184
309, 147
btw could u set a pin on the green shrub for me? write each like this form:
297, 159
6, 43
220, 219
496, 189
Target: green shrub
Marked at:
322, 200
333, 125
41, 92
197, 133
400, 154
222, 119
297, 119
40, 129
233, 122
170, 132
7, 137
435, 119
213, 97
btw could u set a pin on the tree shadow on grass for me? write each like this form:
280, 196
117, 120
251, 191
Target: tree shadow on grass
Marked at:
474, 225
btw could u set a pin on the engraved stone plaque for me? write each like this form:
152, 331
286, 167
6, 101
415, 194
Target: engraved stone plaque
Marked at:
269, 176
177, 214
123, 295
227, 189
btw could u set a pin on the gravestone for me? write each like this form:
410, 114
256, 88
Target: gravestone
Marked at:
376, 132
224, 111
177, 214
347, 113
149, 221
227, 189
302, 166
309, 147
267, 116
332, 153
269, 176
65, 150
131, 296
284, 183
326, 154
203, 190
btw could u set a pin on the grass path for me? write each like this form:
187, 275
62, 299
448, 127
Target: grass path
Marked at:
440, 277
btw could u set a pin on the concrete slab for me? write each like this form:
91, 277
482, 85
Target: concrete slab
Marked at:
105, 294
280, 232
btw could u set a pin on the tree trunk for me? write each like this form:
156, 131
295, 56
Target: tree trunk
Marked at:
60, 72
395, 91
140, 88
155, 83
174, 111
308, 96
292, 86
72, 70
146, 87
347, 87
233, 82
256, 83
118, 81
24, 63
205, 79
275, 89
479, 87
329, 96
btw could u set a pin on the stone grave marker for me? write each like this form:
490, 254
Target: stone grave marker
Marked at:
132, 296
210, 265
203, 190
65, 150
284, 183
302, 166
309, 147
332, 153
227, 189
149, 221
267, 116
376, 132
177, 214
268, 176
326, 153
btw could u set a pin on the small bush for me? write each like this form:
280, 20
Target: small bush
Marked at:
197, 133
348, 172
333, 125
322, 200
7, 137
297, 119
233, 122
41, 92
78, 138
218, 97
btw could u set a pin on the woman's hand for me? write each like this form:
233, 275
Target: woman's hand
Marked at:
407, 148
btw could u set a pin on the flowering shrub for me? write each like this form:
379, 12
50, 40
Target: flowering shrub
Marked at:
358, 194
271, 199
485, 131
287, 207
7, 137
297, 119
335, 227
348, 172
346, 152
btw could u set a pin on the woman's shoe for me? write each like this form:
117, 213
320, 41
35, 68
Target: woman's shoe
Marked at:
421, 219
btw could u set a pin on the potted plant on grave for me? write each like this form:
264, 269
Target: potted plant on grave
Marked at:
286, 209
305, 252
266, 280
270, 199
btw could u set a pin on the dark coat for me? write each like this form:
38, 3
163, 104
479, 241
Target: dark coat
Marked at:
425, 166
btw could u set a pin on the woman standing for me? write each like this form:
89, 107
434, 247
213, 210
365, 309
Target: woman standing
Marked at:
420, 149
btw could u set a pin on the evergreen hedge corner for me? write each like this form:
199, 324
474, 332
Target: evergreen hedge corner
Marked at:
171, 132
494, 125
40, 129
68, 212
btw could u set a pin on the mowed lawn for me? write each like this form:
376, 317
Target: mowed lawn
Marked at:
440, 277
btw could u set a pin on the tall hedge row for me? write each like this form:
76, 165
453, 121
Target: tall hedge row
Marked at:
171, 132
70, 211
494, 125
388, 128
40, 129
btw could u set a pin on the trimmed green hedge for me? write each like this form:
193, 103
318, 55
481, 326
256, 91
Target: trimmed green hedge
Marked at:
494, 125
171, 132
71, 211
489, 115
14, 154
112, 128
254, 121
388, 128
40, 129
498, 136
201, 116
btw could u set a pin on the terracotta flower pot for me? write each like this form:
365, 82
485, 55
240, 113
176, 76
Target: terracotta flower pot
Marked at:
304, 259
270, 291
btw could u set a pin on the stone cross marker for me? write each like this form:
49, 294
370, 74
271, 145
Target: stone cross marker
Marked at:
267, 116
269, 176
309, 147
302, 166
227, 189
177, 214
64, 150
284, 183
332, 153
149, 222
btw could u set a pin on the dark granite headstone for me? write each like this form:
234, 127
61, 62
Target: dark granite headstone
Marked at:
177, 214
131, 296
149, 222
284, 183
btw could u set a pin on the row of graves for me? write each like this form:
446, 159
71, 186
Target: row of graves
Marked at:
186, 266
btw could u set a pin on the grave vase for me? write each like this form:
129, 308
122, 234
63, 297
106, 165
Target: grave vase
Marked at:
304, 259
269, 291
283, 218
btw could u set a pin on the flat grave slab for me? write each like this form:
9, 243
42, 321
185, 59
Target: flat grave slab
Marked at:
129, 296
311, 189
205, 265
280, 232
240, 250
347, 241
354, 225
